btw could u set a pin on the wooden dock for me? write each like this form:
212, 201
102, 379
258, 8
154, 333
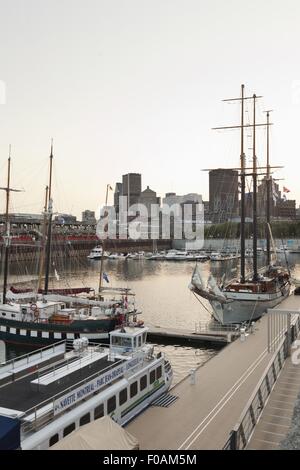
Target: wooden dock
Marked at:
205, 412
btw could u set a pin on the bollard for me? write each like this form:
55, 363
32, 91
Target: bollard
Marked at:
242, 332
192, 376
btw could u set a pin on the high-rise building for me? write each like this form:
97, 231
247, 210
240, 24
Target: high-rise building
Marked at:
148, 198
132, 187
88, 217
117, 194
275, 195
223, 194
286, 209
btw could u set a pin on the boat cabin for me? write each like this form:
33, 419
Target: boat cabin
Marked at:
128, 339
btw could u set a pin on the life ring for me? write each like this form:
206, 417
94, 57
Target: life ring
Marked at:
36, 313
33, 307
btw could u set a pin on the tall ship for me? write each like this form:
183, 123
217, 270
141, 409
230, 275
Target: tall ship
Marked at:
247, 298
49, 393
43, 316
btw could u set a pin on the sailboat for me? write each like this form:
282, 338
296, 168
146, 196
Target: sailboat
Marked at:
246, 298
50, 315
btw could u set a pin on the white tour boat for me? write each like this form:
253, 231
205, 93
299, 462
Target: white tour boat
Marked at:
51, 392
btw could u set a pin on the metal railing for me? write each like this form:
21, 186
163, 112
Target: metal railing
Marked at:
205, 327
43, 414
26, 357
83, 357
243, 430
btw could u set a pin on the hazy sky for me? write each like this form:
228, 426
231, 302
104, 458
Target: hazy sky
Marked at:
136, 85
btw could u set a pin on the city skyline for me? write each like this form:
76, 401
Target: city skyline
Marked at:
137, 86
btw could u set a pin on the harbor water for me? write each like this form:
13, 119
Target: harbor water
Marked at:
161, 293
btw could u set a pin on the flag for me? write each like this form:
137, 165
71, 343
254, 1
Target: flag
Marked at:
286, 190
109, 187
105, 277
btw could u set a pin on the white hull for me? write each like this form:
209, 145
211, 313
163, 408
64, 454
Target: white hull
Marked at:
245, 310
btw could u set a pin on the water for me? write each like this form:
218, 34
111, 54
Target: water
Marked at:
162, 294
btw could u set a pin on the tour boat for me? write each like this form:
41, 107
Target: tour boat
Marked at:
49, 393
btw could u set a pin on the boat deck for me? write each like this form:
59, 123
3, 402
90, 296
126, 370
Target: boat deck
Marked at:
22, 395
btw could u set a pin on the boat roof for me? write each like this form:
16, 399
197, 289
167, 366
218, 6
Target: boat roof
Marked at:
132, 331
20, 395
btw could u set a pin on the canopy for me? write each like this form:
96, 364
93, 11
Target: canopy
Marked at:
101, 434
9, 433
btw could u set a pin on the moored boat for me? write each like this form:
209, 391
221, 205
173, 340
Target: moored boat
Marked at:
48, 394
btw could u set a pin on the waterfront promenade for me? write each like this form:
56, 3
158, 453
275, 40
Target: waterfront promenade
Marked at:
205, 412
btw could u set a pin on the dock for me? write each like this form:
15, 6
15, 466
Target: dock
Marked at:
208, 406
209, 335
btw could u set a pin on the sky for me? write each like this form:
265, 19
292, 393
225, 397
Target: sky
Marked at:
136, 86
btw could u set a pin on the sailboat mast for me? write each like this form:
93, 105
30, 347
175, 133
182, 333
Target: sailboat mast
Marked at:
49, 232
268, 187
7, 230
255, 274
42, 256
242, 234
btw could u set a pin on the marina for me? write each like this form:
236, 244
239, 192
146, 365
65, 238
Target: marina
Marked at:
49, 393
149, 231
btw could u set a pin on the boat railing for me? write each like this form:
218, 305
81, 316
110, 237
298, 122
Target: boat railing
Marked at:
41, 414
84, 357
25, 358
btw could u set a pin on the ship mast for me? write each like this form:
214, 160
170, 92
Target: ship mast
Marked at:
7, 237
243, 185
43, 246
243, 175
7, 230
254, 202
49, 231
268, 196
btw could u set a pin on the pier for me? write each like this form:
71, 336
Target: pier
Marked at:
202, 333
210, 410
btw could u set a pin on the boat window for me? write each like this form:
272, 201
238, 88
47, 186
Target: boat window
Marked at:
13, 315
123, 396
140, 340
85, 419
158, 372
133, 389
144, 337
53, 440
69, 429
3, 314
24, 310
152, 376
99, 411
143, 382
111, 404
119, 341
